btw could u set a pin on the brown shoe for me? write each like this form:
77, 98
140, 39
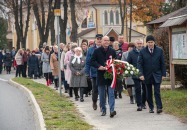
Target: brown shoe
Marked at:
94, 105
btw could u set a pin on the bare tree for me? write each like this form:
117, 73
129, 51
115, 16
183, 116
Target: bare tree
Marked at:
122, 6
18, 9
43, 23
73, 36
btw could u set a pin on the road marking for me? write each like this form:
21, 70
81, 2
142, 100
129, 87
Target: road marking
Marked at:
3, 80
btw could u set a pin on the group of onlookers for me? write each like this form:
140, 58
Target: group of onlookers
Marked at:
83, 67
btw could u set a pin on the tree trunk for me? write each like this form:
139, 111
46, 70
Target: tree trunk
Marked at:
122, 14
130, 21
73, 36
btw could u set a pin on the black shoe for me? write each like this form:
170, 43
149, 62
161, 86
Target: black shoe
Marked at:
81, 100
151, 111
94, 105
56, 88
139, 108
76, 99
131, 100
86, 95
112, 114
120, 96
159, 111
66, 91
144, 107
103, 114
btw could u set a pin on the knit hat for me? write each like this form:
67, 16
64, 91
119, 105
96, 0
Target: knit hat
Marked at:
150, 38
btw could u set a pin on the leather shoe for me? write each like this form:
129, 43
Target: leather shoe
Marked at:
151, 111
144, 107
112, 114
159, 111
94, 105
139, 108
103, 114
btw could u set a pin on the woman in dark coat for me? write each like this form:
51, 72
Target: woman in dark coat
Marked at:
8, 61
119, 87
78, 78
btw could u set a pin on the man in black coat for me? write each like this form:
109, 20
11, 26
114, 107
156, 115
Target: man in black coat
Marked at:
140, 89
152, 68
33, 64
98, 60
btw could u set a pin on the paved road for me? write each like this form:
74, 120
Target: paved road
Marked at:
127, 117
15, 110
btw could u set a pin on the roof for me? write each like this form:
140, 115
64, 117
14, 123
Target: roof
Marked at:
175, 21
102, 2
85, 32
162, 19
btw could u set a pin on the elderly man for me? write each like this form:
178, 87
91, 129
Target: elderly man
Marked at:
139, 85
98, 60
152, 68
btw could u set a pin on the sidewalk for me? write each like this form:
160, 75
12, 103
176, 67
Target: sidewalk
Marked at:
127, 117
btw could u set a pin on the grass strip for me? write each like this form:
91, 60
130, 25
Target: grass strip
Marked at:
175, 103
58, 112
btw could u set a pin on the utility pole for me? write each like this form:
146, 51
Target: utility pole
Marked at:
57, 13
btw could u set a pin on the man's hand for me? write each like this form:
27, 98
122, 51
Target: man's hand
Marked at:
163, 77
101, 68
142, 78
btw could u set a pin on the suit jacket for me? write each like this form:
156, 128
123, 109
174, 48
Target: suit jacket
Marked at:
98, 59
152, 65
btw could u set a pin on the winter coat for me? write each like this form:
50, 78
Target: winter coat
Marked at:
46, 65
1, 58
33, 62
129, 80
98, 59
90, 70
118, 54
123, 46
78, 80
67, 71
19, 59
54, 64
152, 65
8, 59
62, 60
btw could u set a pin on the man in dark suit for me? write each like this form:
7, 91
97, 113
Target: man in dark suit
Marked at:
98, 60
152, 68
140, 89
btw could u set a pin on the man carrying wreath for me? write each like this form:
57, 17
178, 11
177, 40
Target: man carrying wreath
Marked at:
98, 60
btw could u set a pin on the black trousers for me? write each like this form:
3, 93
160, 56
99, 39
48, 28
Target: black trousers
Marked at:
19, 70
140, 91
156, 94
76, 89
1, 68
94, 90
8, 69
33, 70
89, 88
24, 69
47, 76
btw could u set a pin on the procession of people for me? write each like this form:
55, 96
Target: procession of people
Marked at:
83, 67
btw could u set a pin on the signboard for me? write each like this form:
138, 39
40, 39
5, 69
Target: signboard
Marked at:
179, 45
57, 12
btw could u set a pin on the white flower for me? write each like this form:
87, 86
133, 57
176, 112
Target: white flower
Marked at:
127, 64
131, 72
126, 72
133, 68
137, 70
128, 68
131, 65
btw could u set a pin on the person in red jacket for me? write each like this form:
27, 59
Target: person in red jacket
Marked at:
122, 44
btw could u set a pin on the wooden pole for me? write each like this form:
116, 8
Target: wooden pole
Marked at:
172, 68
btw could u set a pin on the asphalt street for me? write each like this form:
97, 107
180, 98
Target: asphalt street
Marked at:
15, 110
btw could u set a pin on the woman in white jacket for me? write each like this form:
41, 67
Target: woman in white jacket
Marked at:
19, 62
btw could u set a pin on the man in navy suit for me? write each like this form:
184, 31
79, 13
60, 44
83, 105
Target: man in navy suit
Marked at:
152, 70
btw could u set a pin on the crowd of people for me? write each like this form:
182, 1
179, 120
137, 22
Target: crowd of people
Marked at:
83, 67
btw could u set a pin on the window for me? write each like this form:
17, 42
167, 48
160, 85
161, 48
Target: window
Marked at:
111, 17
84, 23
91, 17
106, 17
117, 17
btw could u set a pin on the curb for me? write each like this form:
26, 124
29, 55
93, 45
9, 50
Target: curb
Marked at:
40, 124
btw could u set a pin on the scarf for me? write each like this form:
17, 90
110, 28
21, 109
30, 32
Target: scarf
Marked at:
78, 58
